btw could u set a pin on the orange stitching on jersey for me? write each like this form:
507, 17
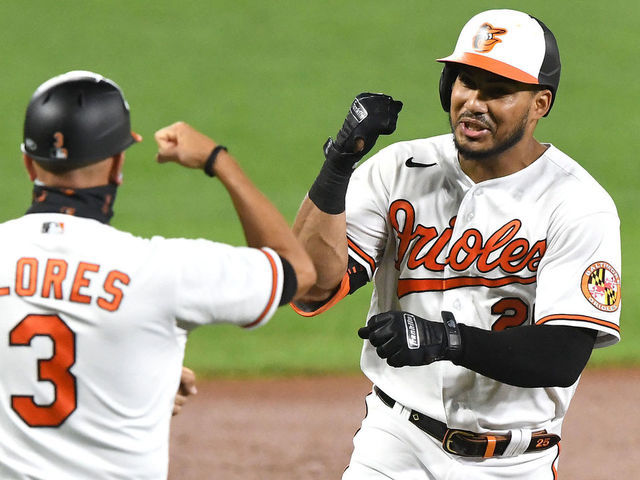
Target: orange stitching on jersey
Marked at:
362, 254
416, 285
274, 277
580, 318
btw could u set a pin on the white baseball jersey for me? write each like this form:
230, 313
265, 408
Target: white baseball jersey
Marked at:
94, 324
540, 246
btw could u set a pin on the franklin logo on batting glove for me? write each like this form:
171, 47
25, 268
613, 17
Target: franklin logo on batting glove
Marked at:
358, 111
413, 338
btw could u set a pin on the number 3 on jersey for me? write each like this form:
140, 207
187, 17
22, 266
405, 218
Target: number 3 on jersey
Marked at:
54, 369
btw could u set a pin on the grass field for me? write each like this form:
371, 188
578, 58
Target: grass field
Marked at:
271, 80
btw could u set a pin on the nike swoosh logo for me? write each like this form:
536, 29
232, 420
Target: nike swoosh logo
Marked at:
410, 163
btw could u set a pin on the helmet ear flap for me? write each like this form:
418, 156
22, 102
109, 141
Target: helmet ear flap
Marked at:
447, 77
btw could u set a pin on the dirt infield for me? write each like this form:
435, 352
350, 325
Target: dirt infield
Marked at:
302, 428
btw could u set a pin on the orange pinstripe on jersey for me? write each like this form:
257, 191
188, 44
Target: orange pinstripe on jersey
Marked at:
361, 253
579, 318
343, 288
415, 285
274, 289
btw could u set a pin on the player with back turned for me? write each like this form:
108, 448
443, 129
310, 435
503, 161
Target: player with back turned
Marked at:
94, 319
495, 260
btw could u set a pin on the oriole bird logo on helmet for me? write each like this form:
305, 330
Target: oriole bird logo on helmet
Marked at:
486, 38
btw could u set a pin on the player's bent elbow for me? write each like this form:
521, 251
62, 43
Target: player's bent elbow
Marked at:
306, 277
574, 350
566, 377
315, 294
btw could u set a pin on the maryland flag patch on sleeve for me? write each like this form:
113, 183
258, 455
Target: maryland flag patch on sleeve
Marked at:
601, 286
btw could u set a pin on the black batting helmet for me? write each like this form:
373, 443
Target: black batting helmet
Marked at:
76, 119
509, 43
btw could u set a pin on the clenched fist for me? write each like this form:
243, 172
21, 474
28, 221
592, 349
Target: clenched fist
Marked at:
405, 339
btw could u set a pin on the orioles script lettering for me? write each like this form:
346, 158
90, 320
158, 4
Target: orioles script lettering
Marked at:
422, 247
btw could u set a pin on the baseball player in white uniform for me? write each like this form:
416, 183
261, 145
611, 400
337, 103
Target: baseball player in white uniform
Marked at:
495, 261
94, 319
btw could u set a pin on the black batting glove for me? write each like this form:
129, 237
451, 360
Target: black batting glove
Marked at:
370, 115
405, 339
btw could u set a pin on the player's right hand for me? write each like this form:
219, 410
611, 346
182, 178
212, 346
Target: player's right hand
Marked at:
187, 388
404, 339
370, 115
183, 144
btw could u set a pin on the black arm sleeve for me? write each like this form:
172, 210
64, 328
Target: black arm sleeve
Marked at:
289, 282
528, 356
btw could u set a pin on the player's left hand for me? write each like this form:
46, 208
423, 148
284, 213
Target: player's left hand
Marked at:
187, 387
405, 339
370, 115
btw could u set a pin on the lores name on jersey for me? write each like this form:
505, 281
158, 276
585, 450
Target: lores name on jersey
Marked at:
45, 278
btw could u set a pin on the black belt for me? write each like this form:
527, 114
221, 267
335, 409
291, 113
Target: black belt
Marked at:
466, 443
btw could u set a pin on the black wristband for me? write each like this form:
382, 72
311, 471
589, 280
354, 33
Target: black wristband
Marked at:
329, 189
454, 339
208, 166
330, 186
289, 282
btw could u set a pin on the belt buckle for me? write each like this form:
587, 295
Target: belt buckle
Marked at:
451, 436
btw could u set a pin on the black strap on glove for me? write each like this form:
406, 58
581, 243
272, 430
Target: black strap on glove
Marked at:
405, 339
370, 115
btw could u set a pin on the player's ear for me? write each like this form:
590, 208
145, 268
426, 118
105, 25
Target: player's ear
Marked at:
115, 174
28, 164
541, 102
